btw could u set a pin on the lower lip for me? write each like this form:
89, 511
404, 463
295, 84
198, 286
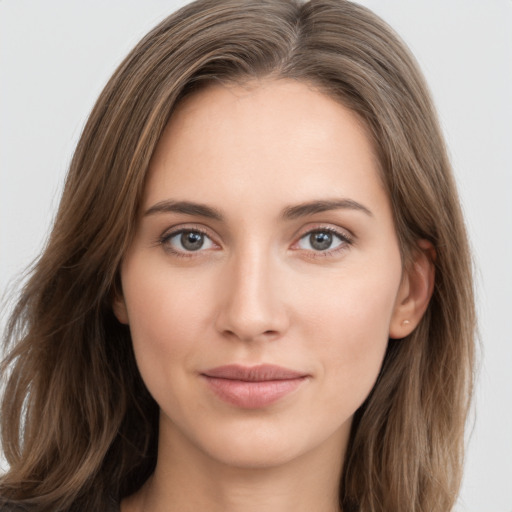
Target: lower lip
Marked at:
252, 395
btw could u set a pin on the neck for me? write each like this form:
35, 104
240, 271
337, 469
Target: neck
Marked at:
188, 479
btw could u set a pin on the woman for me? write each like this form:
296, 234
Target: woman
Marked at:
257, 293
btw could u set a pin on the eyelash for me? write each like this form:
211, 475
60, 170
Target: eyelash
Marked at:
345, 241
165, 238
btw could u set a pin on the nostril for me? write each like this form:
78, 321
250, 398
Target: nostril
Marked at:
250, 337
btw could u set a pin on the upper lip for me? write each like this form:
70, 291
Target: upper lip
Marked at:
262, 372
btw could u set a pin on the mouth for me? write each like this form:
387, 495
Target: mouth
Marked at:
253, 387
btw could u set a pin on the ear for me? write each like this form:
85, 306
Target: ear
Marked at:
415, 291
119, 308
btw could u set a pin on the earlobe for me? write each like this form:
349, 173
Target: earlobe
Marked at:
119, 308
415, 291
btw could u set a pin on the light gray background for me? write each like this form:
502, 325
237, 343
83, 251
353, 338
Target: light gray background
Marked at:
55, 56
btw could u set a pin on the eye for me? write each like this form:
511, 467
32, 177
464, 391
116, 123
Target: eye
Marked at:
186, 241
322, 240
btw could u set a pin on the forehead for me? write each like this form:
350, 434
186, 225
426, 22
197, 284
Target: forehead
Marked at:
268, 136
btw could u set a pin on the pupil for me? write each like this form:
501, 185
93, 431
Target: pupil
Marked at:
192, 241
320, 241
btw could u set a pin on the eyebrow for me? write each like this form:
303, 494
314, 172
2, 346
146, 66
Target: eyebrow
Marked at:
289, 213
186, 207
312, 207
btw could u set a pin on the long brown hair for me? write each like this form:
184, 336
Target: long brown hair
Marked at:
78, 426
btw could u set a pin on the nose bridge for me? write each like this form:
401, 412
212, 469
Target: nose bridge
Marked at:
252, 305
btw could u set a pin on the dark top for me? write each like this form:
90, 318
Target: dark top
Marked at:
13, 507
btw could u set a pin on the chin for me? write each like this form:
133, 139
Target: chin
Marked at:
260, 445
257, 453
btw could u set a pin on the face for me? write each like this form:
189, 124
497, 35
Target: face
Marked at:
265, 238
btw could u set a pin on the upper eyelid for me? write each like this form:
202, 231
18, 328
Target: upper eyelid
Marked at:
337, 230
175, 230
345, 240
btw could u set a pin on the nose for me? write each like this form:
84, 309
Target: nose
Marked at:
252, 305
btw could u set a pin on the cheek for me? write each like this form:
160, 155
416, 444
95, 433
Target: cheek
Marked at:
164, 317
165, 324
351, 304
348, 325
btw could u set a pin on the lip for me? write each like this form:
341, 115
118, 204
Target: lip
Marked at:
252, 387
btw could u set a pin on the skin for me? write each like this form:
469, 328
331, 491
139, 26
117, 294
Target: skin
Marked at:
258, 291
